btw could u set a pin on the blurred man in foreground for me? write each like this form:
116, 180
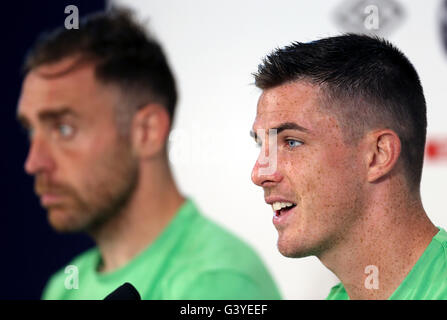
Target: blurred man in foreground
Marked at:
98, 103
348, 119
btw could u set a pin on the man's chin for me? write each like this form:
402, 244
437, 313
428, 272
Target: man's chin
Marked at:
63, 221
293, 253
293, 249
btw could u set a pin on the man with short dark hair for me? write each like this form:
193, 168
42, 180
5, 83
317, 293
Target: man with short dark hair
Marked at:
349, 117
98, 103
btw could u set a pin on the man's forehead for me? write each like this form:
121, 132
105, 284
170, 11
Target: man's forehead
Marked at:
295, 102
65, 73
289, 96
272, 111
39, 96
50, 85
67, 65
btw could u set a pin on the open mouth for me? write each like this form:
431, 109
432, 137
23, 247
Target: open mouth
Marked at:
281, 208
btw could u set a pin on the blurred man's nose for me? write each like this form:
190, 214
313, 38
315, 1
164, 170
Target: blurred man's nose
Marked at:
39, 158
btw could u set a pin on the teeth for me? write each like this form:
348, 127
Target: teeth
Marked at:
280, 205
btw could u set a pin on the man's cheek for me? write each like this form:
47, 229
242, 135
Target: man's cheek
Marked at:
84, 179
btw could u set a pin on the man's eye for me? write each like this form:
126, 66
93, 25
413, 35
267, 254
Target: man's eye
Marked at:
293, 143
65, 130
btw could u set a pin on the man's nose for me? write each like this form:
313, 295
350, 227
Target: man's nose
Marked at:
265, 174
39, 158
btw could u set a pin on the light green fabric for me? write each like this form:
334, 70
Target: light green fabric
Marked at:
427, 280
193, 258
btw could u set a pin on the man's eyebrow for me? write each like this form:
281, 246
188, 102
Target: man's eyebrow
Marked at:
47, 115
290, 126
55, 114
282, 127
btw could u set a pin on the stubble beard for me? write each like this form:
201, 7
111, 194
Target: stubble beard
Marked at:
104, 198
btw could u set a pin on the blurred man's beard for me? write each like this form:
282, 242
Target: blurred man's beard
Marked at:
104, 197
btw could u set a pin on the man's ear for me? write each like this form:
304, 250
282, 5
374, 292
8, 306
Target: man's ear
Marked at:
384, 148
150, 128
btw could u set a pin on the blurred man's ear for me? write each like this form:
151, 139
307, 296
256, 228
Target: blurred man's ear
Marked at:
150, 129
384, 148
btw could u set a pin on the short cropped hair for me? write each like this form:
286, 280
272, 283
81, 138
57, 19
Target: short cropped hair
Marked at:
366, 82
123, 53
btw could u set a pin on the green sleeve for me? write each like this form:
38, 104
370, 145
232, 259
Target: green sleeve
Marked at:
54, 288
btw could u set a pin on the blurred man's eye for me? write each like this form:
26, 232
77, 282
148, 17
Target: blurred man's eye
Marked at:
65, 130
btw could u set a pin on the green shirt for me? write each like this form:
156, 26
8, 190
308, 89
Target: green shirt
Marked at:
192, 258
427, 280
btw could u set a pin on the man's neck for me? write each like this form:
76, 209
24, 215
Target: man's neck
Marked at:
150, 209
380, 250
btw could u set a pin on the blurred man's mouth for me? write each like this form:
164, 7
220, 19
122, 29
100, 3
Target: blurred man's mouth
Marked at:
50, 199
50, 193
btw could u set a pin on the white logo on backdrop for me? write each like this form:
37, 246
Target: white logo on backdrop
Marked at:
378, 17
72, 20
